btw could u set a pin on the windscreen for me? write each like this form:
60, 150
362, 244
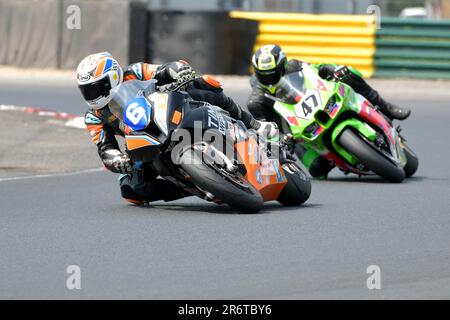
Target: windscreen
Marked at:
127, 91
292, 88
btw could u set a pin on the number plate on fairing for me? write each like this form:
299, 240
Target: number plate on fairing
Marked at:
306, 107
137, 114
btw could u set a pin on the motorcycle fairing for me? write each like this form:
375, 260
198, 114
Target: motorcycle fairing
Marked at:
265, 174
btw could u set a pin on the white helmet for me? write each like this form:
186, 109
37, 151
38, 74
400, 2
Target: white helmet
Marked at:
97, 74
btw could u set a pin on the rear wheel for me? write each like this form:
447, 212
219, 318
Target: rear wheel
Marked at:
367, 154
234, 190
298, 188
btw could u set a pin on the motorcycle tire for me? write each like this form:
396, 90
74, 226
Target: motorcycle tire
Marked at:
247, 200
412, 161
370, 157
298, 188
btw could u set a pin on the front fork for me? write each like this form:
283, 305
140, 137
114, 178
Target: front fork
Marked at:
363, 128
395, 141
400, 147
395, 154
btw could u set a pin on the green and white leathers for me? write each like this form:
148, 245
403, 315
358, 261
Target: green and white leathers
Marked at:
330, 120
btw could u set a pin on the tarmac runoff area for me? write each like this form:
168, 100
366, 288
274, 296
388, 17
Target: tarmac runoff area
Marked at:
33, 144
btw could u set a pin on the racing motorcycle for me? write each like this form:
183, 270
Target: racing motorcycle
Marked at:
200, 148
342, 126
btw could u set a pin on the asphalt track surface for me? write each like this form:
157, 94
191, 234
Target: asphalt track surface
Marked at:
191, 249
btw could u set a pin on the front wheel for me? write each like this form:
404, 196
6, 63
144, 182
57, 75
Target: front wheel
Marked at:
412, 161
370, 157
298, 188
236, 192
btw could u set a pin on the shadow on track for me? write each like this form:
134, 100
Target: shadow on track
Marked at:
370, 179
269, 208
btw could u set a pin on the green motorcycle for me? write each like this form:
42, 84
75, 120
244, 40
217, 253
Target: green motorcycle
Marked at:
342, 126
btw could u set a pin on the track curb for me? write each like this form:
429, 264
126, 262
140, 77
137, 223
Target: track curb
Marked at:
72, 120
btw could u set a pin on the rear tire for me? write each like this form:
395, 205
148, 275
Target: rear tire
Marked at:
370, 157
249, 201
298, 188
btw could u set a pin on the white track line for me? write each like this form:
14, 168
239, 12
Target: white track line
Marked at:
39, 176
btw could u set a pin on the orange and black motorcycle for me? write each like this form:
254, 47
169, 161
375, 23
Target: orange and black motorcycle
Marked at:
200, 148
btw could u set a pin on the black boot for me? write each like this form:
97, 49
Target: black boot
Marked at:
160, 189
388, 109
392, 111
362, 87
319, 167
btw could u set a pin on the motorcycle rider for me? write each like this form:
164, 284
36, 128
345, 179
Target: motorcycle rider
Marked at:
270, 64
98, 73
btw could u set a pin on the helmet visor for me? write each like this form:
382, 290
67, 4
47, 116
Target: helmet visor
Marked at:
268, 78
95, 90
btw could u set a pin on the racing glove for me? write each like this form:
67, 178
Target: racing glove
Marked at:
117, 162
184, 74
329, 72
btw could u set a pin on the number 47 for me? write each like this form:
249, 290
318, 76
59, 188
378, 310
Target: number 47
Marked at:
308, 104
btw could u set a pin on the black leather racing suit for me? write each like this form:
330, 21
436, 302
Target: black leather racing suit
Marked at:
261, 107
142, 184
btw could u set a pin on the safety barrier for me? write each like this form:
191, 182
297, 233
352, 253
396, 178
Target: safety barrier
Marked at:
45, 34
59, 33
400, 48
319, 38
413, 48
224, 48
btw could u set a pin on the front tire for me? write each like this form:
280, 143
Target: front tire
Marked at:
247, 200
370, 157
412, 161
298, 188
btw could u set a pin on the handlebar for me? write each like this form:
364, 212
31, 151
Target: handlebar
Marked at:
173, 87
